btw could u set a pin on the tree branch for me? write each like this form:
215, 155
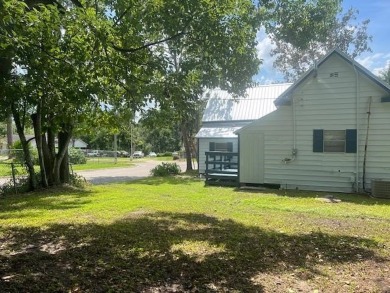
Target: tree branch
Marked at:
133, 50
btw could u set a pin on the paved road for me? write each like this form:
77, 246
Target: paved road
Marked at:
102, 176
141, 170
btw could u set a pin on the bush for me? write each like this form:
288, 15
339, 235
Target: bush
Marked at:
166, 154
18, 155
76, 156
165, 169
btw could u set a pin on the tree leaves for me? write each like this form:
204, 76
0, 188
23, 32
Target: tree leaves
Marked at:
316, 28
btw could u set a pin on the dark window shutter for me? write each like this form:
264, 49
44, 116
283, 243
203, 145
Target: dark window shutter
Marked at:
318, 140
351, 141
212, 146
230, 147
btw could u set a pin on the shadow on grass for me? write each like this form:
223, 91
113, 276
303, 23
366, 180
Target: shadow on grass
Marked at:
163, 252
173, 180
356, 198
11, 205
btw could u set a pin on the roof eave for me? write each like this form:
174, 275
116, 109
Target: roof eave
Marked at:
282, 99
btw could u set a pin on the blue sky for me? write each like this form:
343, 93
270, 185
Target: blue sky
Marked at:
378, 11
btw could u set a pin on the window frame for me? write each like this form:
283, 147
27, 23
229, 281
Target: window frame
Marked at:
216, 146
334, 145
350, 141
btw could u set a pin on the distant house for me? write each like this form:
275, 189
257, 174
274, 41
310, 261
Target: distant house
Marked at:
330, 132
224, 115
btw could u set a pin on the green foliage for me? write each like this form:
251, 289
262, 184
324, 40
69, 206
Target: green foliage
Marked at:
78, 181
3, 129
165, 169
385, 74
314, 28
165, 154
77, 156
17, 153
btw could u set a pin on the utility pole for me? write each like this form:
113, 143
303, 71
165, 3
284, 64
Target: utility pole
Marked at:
115, 149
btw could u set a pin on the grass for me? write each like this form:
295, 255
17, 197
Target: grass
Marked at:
92, 164
174, 234
103, 163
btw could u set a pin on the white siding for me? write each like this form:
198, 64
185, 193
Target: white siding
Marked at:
204, 144
329, 103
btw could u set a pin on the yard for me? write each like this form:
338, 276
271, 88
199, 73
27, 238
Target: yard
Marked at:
174, 234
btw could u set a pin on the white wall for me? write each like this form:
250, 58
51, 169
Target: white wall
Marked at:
326, 103
204, 144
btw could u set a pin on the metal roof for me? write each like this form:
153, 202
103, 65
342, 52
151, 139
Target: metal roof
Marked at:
257, 102
217, 132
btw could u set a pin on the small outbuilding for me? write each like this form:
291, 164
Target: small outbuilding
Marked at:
225, 114
330, 132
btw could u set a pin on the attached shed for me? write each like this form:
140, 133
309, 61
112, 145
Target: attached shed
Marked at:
330, 132
224, 115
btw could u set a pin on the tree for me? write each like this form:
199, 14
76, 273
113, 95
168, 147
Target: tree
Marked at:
217, 48
58, 80
296, 50
385, 74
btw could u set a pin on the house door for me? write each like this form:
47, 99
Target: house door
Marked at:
252, 158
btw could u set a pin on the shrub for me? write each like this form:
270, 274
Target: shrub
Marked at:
165, 169
76, 156
18, 155
166, 154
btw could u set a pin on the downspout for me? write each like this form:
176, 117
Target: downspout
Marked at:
366, 144
238, 161
294, 124
357, 127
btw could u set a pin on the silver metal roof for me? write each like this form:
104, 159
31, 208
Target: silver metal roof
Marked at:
258, 102
217, 132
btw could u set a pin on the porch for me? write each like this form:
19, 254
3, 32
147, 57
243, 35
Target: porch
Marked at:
221, 168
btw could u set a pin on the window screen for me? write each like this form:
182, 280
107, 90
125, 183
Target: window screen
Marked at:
221, 146
334, 141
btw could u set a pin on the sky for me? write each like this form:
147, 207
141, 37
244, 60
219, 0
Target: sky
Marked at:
377, 11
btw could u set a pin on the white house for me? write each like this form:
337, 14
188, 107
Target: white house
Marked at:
330, 132
224, 115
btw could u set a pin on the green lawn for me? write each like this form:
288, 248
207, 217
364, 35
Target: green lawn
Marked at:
103, 163
92, 164
175, 235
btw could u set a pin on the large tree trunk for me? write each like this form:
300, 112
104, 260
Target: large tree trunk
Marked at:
27, 155
187, 145
61, 166
37, 124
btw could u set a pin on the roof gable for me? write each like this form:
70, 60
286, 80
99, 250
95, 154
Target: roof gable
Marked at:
257, 102
286, 96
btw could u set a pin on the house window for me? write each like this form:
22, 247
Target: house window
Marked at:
221, 146
334, 141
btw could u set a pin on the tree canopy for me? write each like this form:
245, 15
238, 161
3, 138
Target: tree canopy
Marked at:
385, 74
326, 27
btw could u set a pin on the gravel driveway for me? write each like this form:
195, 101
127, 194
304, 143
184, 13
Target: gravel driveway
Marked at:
139, 171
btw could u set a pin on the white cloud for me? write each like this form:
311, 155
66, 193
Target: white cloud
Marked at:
375, 62
267, 73
264, 48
